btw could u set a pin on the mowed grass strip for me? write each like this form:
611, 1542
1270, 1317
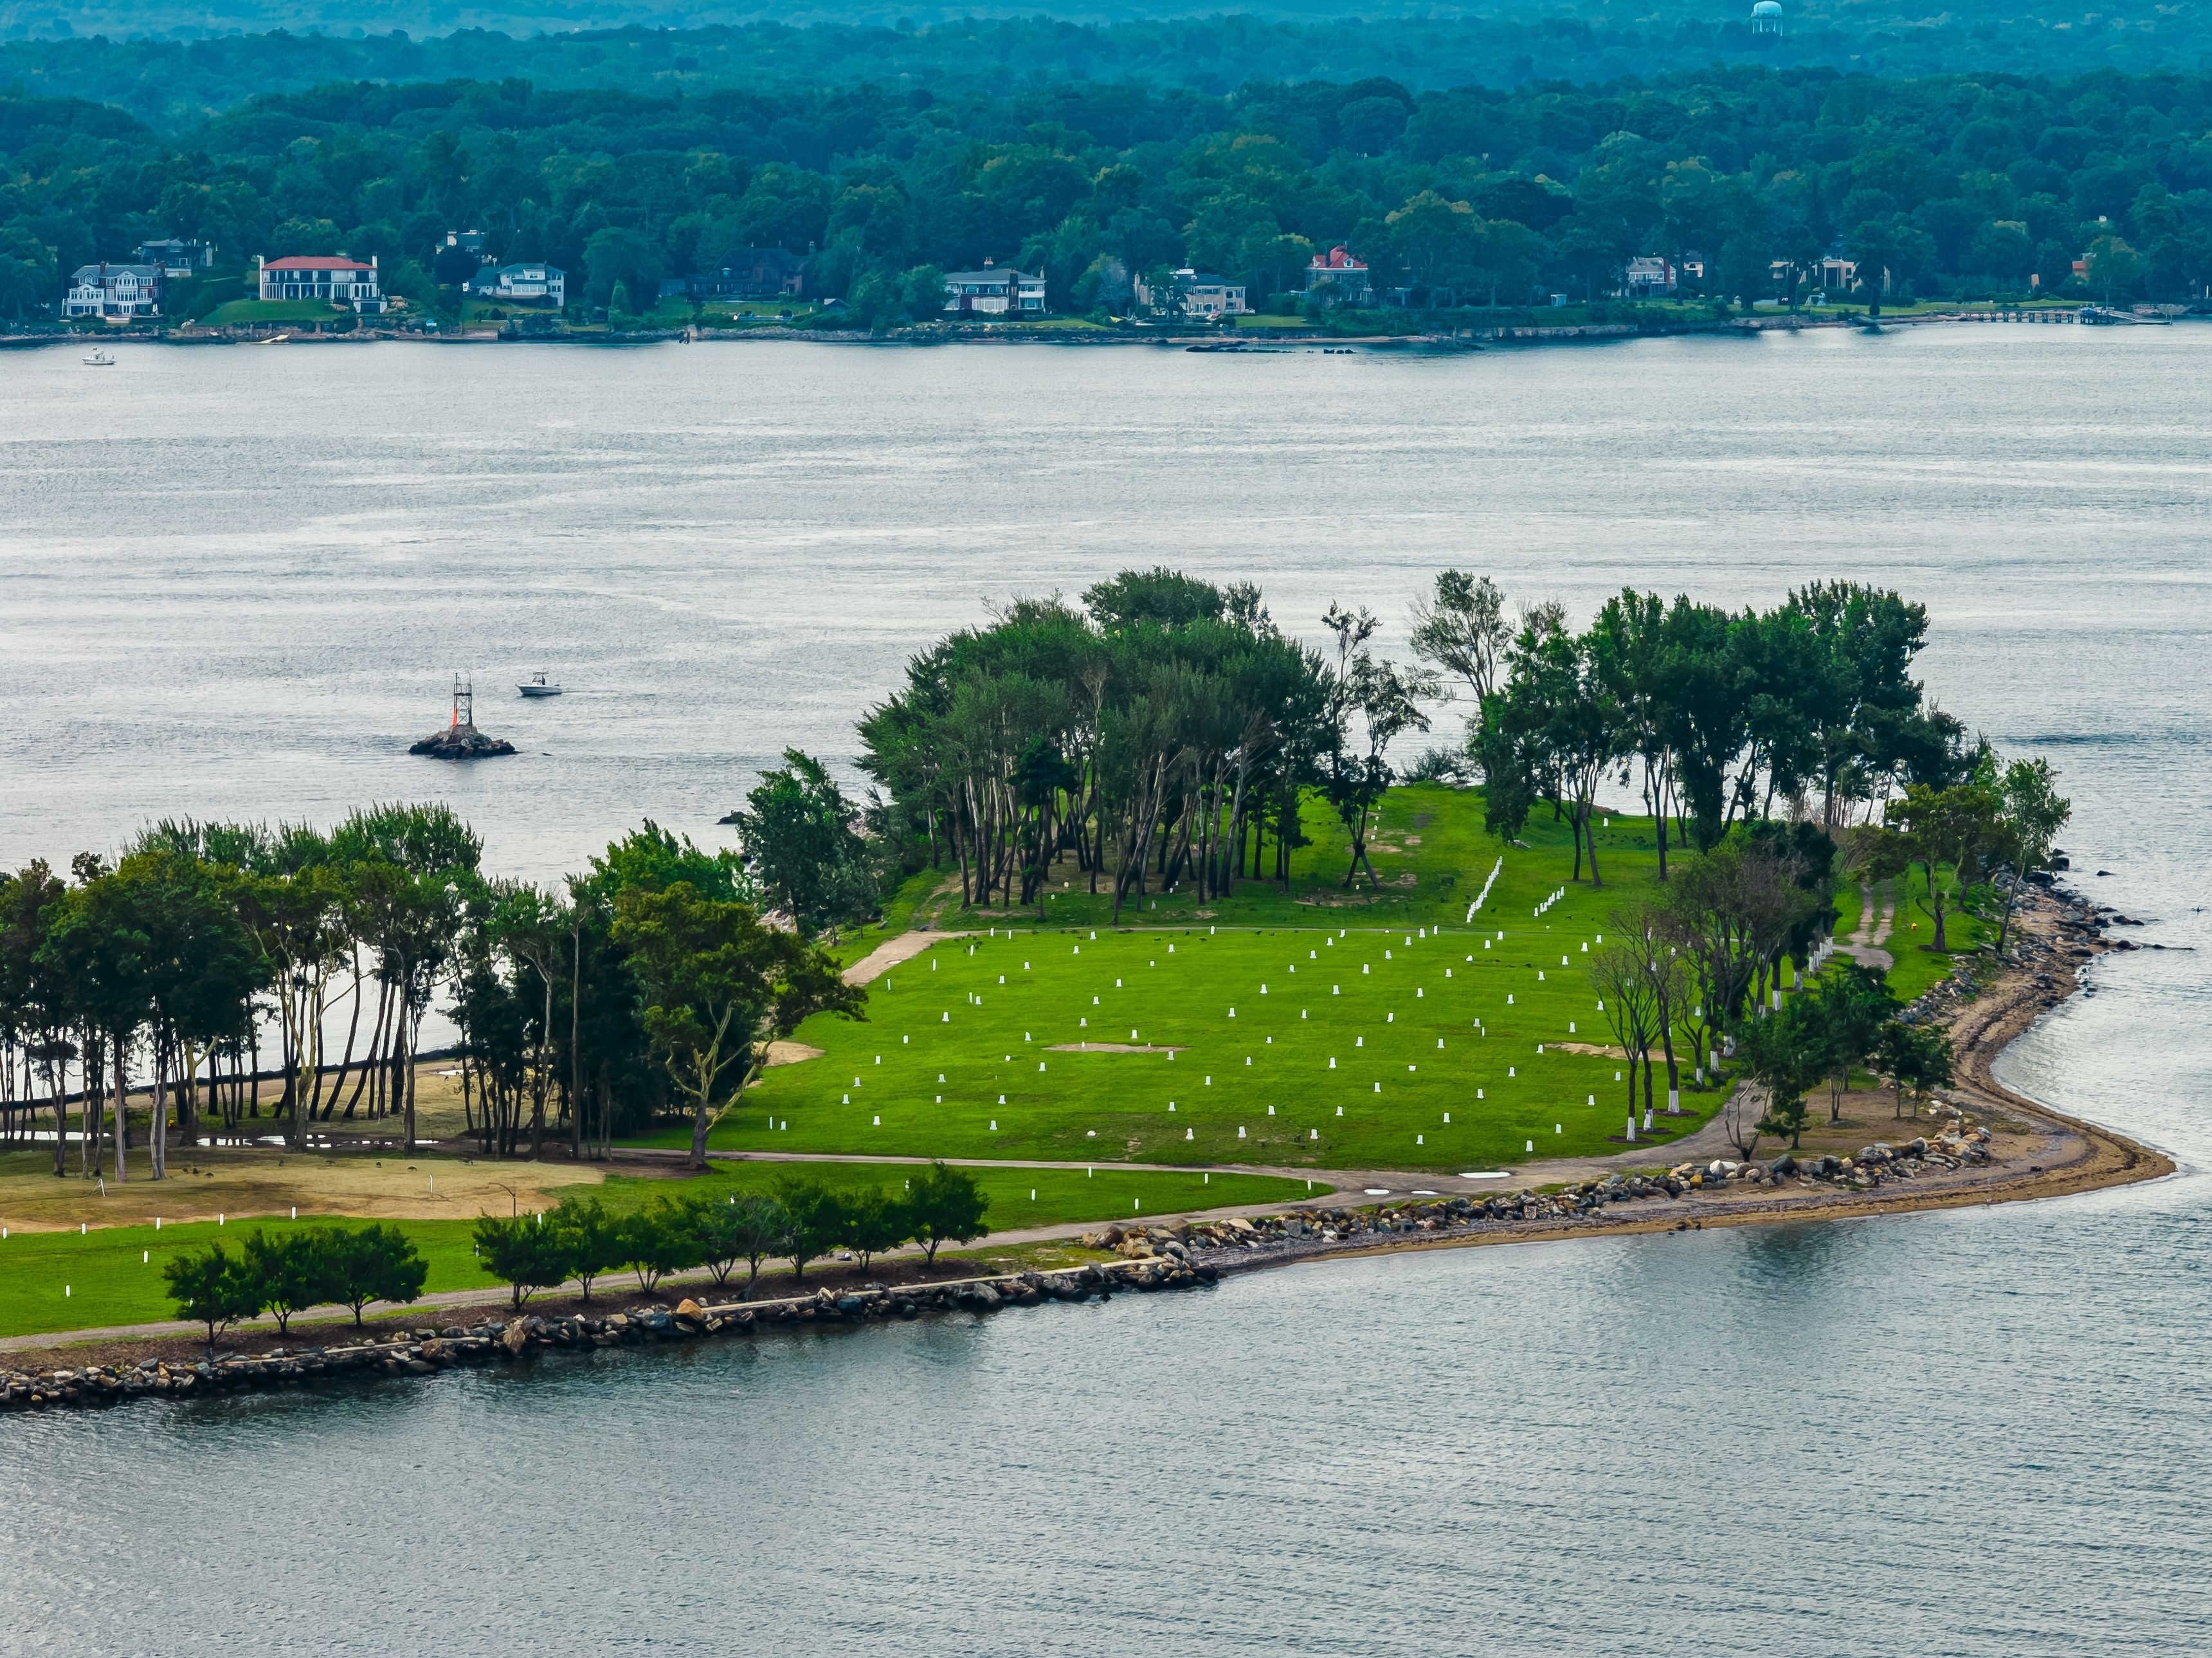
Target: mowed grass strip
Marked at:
60, 1281
1338, 1043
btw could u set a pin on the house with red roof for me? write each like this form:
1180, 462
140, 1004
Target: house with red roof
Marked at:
323, 276
1346, 278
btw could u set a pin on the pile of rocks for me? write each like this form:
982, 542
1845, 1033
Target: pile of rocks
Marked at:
427, 1353
422, 1352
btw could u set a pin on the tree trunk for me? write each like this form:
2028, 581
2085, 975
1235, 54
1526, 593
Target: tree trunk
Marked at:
122, 1115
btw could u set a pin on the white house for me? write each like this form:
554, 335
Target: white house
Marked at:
1346, 277
996, 290
341, 282
522, 284
116, 292
1204, 295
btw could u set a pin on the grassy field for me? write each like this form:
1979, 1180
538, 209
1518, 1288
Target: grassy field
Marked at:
1312, 1030
111, 1275
274, 311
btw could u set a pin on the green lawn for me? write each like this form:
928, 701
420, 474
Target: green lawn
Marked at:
1310, 1030
1918, 968
113, 1275
274, 311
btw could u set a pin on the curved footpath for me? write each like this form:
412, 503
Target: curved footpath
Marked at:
1995, 1147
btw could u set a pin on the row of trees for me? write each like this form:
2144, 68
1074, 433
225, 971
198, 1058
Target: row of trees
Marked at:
650, 984
1473, 196
1166, 732
801, 1221
283, 1273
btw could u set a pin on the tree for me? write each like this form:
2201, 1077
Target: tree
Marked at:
291, 1272
1746, 270
374, 1263
715, 983
1462, 630
1853, 1006
945, 1205
813, 1222
2032, 814
756, 1227
593, 1239
1944, 833
617, 257
1786, 1053
796, 831
656, 1241
211, 1287
523, 1253
874, 1221
1915, 1058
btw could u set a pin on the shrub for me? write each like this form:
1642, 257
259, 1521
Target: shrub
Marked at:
596, 1241
875, 1221
289, 1271
945, 1205
657, 1240
374, 1263
523, 1253
211, 1288
814, 1222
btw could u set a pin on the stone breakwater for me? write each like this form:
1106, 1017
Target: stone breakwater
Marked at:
1688, 1193
425, 1352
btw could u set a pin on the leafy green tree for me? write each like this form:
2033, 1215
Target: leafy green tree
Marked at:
522, 1251
291, 1272
1944, 834
813, 1221
1786, 1053
377, 1262
798, 837
2032, 814
656, 1241
752, 1228
211, 1287
875, 1221
1915, 1058
1462, 631
617, 257
716, 983
945, 1205
1854, 1007
594, 1240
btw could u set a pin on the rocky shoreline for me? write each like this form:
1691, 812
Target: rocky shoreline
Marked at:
430, 1352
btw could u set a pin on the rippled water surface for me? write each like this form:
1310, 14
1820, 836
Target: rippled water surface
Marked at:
235, 583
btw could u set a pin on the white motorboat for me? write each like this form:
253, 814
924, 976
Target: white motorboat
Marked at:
99, 357
538, 685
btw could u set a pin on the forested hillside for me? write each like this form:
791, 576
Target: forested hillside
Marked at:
155, 62
1953, 183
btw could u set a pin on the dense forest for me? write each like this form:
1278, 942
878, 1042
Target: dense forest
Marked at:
1960, 184
172, 82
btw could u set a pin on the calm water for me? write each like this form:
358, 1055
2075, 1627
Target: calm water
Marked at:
237, 582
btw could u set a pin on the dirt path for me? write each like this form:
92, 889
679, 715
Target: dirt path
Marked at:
1864, 945
889, 953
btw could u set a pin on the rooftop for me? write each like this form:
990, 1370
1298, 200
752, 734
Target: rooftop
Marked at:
301, 262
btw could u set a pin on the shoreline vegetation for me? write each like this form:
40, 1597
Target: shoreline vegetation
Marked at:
1156, 814
1262, 335
1348, 208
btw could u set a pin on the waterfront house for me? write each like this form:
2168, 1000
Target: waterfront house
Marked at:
321, 276
1204, 294
1345, 276
175, 257
533, 284
751, 273
996, 290
1647, 275
114, 293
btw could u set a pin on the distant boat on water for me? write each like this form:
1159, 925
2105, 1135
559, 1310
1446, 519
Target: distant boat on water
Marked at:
538, 685
99, 357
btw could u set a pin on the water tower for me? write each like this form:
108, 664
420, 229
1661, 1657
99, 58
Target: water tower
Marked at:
1766, 17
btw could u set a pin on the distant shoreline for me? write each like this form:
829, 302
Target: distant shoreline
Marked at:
1255, 343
